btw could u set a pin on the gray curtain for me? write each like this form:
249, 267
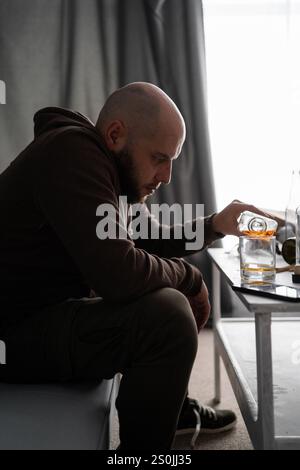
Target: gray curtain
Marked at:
73, 53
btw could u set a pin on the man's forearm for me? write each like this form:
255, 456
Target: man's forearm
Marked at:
176, 247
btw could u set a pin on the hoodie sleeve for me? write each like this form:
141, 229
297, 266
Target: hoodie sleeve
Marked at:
71, 180
195, 235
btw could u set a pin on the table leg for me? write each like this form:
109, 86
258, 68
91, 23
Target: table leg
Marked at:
264, 380
216, 310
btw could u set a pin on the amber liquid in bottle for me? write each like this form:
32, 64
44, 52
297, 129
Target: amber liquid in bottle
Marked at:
259, 233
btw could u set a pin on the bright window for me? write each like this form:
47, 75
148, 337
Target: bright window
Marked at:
253, 80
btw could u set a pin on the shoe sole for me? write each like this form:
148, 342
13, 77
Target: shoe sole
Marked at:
206, 430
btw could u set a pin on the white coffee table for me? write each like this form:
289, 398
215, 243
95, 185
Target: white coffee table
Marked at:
262, 358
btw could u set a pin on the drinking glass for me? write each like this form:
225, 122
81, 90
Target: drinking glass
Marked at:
257, 259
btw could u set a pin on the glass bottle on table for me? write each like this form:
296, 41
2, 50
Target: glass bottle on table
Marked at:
296, 275
292, 204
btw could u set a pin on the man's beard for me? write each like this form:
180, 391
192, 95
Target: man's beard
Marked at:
128, 176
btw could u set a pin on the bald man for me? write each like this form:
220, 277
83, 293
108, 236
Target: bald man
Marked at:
75, 306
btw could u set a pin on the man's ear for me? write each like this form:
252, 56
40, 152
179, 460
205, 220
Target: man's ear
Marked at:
116, 136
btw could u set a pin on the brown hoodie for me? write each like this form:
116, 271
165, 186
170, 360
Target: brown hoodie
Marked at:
49, 250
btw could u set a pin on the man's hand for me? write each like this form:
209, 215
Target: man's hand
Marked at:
201, 306
225, 222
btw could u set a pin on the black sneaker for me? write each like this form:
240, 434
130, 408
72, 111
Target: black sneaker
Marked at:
200, 419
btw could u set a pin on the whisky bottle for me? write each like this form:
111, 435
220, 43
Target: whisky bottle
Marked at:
288, 250
254, 225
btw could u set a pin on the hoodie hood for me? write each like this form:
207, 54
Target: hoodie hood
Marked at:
53, 118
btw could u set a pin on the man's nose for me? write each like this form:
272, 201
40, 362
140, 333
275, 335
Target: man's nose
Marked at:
166, 173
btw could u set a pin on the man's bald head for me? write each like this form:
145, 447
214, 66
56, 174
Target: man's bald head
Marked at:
144, 130
143, 108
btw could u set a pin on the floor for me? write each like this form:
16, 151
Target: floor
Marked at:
201, 388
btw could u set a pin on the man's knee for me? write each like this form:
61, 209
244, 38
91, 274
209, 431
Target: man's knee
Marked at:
169, 311
174, 306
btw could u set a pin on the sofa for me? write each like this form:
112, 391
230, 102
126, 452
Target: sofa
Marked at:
57, 416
